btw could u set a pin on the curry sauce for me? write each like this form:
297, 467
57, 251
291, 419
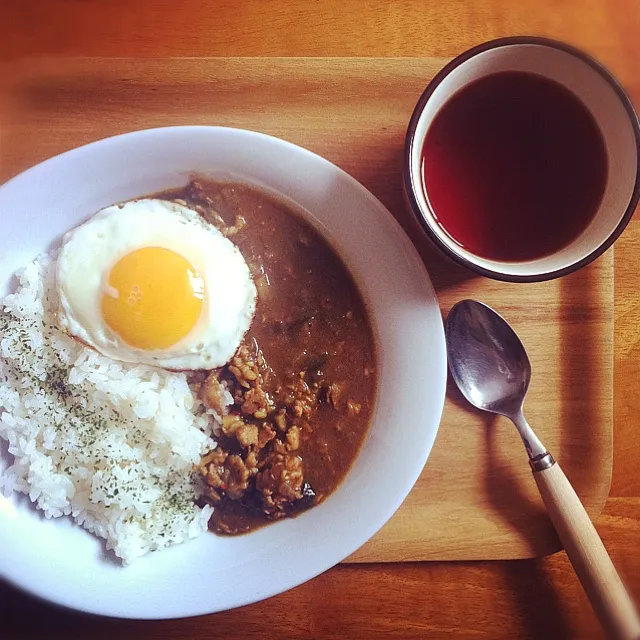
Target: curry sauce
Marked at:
304, 379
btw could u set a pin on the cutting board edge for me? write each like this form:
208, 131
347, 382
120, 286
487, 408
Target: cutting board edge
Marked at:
153, 71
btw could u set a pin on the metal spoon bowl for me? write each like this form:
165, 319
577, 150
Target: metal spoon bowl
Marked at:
491, 368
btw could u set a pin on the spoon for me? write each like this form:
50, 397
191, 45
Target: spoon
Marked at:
491, 368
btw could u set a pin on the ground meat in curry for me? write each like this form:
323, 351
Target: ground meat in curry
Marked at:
303, 381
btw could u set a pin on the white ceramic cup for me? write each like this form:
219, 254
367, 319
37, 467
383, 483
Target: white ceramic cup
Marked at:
598, 91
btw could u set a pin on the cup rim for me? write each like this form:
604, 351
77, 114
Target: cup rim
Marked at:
410, 184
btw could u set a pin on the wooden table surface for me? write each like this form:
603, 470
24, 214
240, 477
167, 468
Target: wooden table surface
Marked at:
519, 599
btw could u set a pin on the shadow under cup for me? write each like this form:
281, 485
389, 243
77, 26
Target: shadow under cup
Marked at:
599, 93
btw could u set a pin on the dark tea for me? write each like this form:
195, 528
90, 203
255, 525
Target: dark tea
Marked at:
514, 167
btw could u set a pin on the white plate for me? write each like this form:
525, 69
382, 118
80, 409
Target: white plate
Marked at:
58, 560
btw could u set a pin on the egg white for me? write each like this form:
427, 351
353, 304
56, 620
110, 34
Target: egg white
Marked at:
90, 251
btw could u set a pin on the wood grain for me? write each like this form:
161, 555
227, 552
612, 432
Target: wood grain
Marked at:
510, 600
354, 112
161, 28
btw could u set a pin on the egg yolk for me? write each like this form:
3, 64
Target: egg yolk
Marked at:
154, 298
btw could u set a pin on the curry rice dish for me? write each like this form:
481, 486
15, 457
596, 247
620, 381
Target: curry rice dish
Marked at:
213, 369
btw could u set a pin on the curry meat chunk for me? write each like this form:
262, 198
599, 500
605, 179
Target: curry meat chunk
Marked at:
256, 403
246, 434
212, 394
225, 475
244, 368
293, 438
265, 435
299, 397
280, 483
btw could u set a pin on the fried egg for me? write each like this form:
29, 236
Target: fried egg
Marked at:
151, 281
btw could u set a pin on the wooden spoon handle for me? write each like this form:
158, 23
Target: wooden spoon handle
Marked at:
589, 558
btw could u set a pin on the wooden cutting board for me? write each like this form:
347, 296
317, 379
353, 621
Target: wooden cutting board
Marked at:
476, 498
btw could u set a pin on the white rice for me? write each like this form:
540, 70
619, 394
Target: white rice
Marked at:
111, 444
